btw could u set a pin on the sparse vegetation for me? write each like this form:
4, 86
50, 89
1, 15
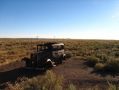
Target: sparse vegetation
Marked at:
95, 51
21, 47
101, 55
48, 82
112, 86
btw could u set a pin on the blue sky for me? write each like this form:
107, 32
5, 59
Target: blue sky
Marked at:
82, 19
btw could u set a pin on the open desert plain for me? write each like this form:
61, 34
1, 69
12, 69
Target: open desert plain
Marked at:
91, 65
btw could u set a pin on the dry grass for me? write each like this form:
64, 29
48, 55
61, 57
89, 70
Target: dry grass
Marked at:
48, 82
102, 54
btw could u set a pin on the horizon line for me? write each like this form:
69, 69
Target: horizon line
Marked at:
56, 38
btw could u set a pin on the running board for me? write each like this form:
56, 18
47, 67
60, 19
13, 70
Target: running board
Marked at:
33, 68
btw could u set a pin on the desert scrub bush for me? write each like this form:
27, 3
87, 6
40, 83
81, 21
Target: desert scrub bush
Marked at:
103, 57
71, 87
116, 53
92, 60
48, 82
99, 66
112, 86
68, 54
113, 65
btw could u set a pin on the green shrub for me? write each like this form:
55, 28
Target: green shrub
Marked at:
92, 60
113, 65
103, 57
68, 54
116, 53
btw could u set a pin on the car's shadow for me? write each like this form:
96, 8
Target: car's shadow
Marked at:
20, 72
15, 74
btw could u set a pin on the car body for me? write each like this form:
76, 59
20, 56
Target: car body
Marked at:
47, 54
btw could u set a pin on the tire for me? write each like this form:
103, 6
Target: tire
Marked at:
28, 63
49, 63
61, 60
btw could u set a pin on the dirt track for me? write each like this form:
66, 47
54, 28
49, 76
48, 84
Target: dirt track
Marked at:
73, 70
77, 72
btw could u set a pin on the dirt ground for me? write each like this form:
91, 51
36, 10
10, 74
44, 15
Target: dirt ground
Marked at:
76, 71
73, 70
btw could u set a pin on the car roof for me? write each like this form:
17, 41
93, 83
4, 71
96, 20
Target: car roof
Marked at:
50, 44
58, 44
